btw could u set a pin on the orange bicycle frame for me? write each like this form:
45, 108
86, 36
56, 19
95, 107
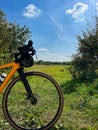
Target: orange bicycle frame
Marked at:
15, 66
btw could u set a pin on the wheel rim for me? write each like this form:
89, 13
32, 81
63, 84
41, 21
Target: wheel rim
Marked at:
26, 116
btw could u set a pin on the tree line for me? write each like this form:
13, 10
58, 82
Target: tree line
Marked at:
41, 62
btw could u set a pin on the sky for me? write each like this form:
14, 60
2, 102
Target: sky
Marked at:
54, 24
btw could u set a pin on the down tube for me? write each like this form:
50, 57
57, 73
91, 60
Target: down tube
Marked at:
3, 85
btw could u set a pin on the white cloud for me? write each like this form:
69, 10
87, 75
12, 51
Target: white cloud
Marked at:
77, 10
31, 11
60, 30
43, 49
97, 7
50, 56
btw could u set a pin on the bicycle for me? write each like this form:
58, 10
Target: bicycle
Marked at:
32, 100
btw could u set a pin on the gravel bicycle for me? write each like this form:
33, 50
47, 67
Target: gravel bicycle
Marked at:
32, 100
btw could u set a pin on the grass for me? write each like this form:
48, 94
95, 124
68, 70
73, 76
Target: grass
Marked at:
80, 101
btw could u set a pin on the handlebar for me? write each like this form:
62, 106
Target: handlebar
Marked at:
25, 52
26, 48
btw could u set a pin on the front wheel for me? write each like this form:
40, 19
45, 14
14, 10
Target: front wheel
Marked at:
22, 114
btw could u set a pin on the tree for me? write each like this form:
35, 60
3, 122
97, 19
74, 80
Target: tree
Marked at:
11, 36
85, 62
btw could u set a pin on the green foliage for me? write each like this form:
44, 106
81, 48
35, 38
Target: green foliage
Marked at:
80, 110
85, 61
70, 86
11, 36
81, 105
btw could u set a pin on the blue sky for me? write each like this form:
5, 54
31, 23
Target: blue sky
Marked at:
54, 23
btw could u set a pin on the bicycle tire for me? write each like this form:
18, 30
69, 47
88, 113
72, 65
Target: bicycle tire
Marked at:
14, 103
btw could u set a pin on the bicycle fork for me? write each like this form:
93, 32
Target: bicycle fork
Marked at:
30, 95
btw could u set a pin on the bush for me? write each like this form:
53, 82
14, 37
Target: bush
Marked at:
85, 62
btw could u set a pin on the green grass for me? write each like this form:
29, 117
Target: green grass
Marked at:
80, 101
